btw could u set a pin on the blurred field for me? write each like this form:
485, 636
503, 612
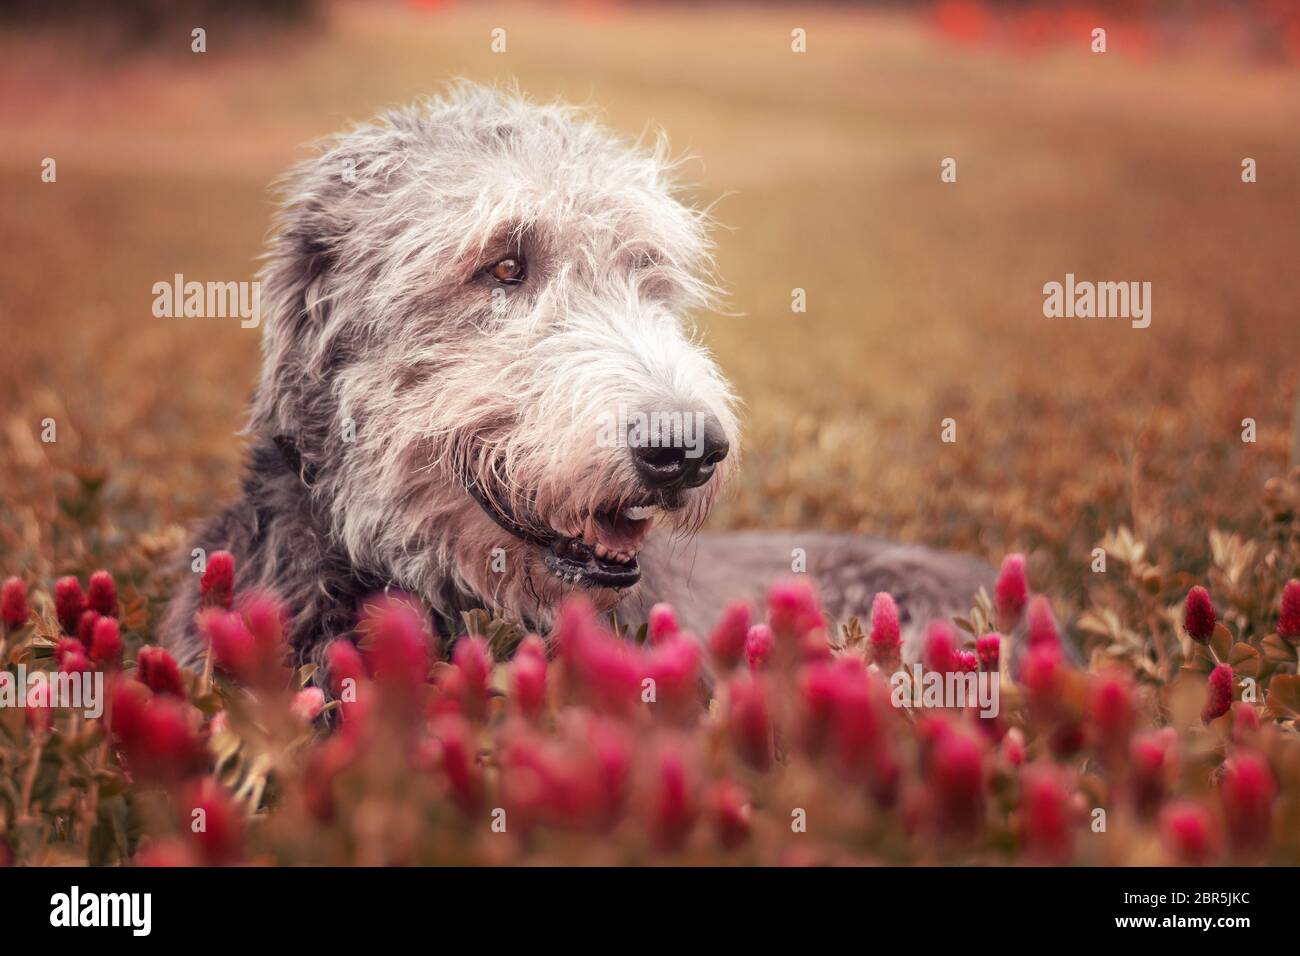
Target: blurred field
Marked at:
924, 299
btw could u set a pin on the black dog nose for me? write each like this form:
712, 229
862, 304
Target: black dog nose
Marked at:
681, 459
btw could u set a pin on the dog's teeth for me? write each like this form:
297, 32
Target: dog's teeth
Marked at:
601, 550
640, 512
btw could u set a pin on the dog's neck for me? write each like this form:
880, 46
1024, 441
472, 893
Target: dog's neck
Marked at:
445, 609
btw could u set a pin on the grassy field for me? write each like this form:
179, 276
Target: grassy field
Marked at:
924, 299
924, 303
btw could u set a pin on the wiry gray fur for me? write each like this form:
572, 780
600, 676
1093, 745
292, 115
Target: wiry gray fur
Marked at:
394, 373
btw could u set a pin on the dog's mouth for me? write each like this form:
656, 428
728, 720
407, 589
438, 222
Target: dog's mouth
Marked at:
603, 553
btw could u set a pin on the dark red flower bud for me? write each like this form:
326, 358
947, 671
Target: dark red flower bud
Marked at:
672, 810
1011, 591
214, 821
857, 720
75, 661
157, 670
661, 623
1045, 815
69, 602
1189, 833
473, 659
1152, 758
1245, 722
528, 683
727, 642
1198, 615
956, 771
13, 603
1067, 739
532, 645
106, 643
674, 666
792, 610
1042, 627
939, 652
749, 720
343, 661
605, 669
157, 736
399, 654
217, 586
102, 594
988, 648
458, 758
1112, 714
1248, 791
729, 812
233, 648
1288, 624
65, 646
885, 641
86, 627
1042, 674
759, 643
1218, 694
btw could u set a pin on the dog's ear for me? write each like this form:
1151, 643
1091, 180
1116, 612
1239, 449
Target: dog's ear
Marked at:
300, 347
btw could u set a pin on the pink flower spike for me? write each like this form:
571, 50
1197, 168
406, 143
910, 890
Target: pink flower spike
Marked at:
886, 636
1011, 591
102, 594
69, 602
988, 648
729, 808
758, 646
957, 777
727, 642
106, 642
792, 609
528, 684
1198, 615
1218, 695
308, 704
1288, 624
1189, 833
1042, 623
86, 627
749, 719
940, 650
13, 603
662, 623
217, 586
1045, 815
1248, 791
157, 670
233, 647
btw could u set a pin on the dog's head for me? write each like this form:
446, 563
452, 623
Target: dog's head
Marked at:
476, 341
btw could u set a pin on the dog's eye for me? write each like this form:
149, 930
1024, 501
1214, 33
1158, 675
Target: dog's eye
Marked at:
509, 271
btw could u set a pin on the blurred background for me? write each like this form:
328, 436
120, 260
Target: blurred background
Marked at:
924, 299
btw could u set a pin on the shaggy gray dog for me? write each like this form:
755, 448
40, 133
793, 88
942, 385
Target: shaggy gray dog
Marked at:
478, 386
